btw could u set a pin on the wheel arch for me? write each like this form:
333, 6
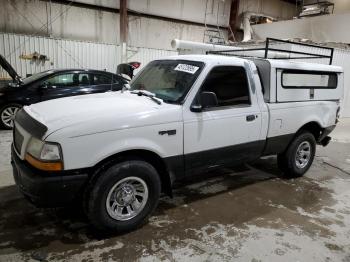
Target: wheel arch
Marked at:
138, 154
313, 127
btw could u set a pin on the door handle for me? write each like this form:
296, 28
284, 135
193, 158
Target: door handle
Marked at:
251, 118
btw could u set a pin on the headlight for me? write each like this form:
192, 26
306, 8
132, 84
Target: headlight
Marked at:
34, 147
44, 155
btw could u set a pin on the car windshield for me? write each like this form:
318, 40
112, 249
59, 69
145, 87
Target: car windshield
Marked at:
35, 77
169, 80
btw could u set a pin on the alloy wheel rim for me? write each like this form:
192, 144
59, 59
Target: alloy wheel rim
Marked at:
303, 154
8, 115
127, 198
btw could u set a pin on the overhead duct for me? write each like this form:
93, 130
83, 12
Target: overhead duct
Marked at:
189, 47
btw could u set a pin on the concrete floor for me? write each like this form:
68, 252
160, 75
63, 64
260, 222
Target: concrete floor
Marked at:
242, 215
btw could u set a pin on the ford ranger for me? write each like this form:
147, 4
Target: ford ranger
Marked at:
180, 116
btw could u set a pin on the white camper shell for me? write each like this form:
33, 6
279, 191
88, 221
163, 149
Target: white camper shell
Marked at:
289, 81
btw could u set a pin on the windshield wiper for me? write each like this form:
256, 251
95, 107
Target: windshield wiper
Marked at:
148, 94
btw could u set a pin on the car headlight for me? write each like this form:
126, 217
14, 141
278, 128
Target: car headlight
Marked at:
34, 147
50, 152
44, 155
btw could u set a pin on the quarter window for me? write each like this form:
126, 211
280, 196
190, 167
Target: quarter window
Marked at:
100, 79
230, 85
309, 79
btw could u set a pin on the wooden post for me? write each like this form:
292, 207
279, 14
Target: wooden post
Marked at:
233, 18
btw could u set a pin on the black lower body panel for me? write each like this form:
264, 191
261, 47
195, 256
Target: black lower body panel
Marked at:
198, 162
50, 189
277, 144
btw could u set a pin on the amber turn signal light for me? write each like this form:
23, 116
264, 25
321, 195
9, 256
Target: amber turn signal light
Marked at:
46, 166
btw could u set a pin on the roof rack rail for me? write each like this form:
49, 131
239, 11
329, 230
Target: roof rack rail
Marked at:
268, 48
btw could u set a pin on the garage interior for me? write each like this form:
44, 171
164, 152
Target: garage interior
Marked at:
247, 213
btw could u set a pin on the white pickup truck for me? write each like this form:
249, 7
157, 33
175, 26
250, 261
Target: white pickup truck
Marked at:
183, 115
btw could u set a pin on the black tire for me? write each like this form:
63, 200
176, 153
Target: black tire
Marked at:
3, 124
97, 197
287, 161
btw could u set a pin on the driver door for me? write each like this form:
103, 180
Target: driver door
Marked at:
227, 133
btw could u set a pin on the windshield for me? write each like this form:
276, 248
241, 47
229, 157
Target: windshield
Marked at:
35, 77
169, 80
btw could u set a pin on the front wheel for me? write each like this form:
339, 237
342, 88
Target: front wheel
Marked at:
123, 196
7, 115
298, 157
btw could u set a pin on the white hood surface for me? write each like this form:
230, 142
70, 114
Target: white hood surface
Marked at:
94, 113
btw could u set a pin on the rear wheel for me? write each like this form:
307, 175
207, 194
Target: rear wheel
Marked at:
123, 196
7, 115
298, 157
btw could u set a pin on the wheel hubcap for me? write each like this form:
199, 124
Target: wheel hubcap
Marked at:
303, 154
8, 115
127, 198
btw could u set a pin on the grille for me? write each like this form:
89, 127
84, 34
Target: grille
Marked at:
18, 140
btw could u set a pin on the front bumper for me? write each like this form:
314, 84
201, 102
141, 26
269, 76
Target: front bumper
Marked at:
47, 189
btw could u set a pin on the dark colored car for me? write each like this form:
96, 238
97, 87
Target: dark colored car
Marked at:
51, 84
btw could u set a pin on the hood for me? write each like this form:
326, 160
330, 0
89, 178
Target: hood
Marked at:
88, 114
9, 69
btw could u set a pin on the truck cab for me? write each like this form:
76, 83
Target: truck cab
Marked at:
182, 115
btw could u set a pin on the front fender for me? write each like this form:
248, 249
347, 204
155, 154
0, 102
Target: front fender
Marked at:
88, 150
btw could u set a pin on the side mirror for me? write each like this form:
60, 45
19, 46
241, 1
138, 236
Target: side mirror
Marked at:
206, 99
44, 86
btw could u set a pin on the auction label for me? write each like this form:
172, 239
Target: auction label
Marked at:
187, 68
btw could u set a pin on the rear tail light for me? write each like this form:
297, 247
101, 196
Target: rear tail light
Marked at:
337, 115
135, 65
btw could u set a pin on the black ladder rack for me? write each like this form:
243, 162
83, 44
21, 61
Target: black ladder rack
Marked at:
268, 48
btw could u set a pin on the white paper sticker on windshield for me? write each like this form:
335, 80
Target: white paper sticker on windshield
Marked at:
187, 68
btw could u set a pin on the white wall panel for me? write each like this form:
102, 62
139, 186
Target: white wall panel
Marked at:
68, 54
188, 10
86, 24
326, 28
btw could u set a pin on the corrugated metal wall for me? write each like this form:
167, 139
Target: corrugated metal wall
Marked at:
68, 54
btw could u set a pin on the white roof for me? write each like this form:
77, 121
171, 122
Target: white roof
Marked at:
206, 58
290, 64
275, 63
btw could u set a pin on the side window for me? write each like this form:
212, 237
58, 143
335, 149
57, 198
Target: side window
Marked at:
84, 79
100, 79
230, 85
63, 80
68, 80
309, 79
